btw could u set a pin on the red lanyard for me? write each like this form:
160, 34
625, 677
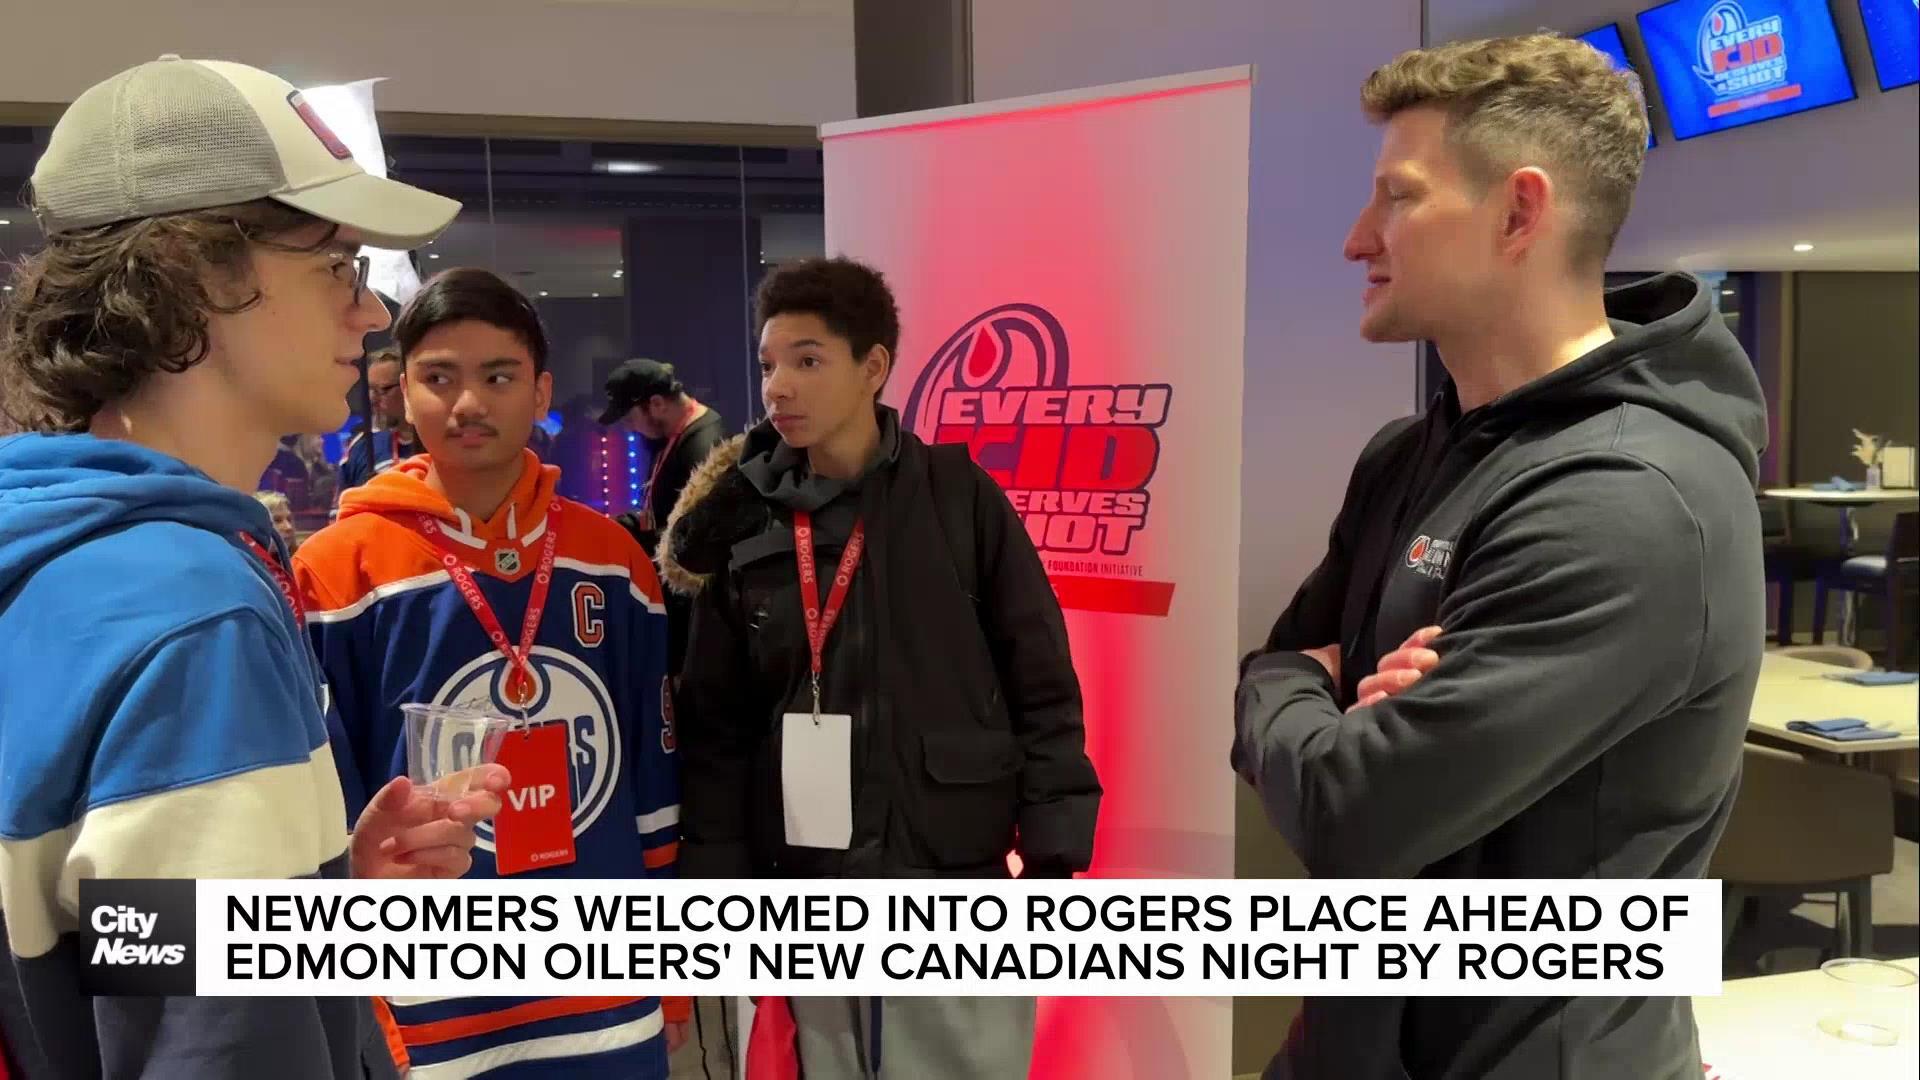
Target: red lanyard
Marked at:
660, 462
393, 448
519, 687
820, 620
280, 578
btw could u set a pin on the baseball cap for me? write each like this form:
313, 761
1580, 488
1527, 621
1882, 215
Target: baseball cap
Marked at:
634, 382
175, 135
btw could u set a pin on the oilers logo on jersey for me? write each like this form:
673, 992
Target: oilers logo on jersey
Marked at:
564, 690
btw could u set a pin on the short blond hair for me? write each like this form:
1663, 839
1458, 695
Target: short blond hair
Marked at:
273, 500
386, 354
1538, 99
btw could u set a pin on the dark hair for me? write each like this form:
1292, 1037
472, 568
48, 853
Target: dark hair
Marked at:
675, 389
470, 294
98, 310
1536, 99
851, 297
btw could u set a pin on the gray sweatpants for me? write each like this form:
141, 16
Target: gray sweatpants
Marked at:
921, 1038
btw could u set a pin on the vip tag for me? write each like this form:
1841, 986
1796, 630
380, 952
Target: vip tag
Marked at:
534, 828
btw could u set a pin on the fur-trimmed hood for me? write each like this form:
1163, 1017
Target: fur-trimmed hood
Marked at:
732, 495
717, 508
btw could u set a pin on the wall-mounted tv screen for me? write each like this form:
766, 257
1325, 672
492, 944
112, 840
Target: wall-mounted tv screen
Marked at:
1726, 63
1893, 31
1607, 40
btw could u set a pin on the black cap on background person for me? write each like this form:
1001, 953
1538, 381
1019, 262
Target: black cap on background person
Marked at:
635, 383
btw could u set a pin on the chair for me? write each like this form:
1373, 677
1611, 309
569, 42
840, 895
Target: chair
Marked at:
1838, 655
1801, 826
1788, 561
1895, 575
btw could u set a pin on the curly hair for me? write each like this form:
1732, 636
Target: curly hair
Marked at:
1535, 99
851, 297
99, 310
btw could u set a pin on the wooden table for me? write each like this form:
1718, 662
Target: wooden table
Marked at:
1860, 497
1792, 689
1844, 501
1764, 1029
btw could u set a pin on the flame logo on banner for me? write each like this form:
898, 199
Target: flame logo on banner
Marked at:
1076, 459
1012, 345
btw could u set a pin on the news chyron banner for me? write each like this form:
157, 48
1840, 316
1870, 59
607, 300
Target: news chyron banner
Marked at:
1071, 274
1111, 940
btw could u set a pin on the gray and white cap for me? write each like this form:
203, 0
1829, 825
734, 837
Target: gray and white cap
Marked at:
176, 135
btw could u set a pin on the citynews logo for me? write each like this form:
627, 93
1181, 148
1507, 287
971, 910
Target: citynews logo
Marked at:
136, 937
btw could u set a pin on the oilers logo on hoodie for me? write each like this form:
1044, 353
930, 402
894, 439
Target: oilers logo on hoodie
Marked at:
392, 628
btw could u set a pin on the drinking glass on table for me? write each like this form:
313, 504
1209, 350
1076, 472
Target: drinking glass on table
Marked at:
1876, 1004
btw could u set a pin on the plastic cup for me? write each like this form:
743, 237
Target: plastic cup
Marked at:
446, 745
1878, 1002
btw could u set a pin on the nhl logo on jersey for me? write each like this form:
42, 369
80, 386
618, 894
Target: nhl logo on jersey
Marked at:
507, 561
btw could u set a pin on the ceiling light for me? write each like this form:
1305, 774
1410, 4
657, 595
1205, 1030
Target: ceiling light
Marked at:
626, 168
596, 296
4, 221
617, 274
543, 292
1803, 247
1726, 292
433, 254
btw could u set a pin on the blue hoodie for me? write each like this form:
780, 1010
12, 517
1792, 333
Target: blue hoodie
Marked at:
161, 716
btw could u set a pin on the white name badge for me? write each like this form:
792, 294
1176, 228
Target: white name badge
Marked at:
816, 779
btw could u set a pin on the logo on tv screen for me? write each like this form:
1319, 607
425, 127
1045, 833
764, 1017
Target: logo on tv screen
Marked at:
1740, 57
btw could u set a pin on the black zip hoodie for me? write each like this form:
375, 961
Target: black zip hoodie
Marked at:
1590, 546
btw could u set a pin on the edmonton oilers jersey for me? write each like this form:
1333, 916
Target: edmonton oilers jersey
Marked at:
391, 628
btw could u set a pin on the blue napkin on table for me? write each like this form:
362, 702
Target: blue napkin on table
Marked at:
1845, 729
1839, 483
1875, 678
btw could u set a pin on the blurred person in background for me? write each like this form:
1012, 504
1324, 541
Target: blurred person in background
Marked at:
680, 432
280, 511
392, 440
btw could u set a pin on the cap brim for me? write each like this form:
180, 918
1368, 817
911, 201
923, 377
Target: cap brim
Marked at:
613, 412
386, 213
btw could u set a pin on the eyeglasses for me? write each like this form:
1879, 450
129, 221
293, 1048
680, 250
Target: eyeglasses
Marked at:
362, 267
